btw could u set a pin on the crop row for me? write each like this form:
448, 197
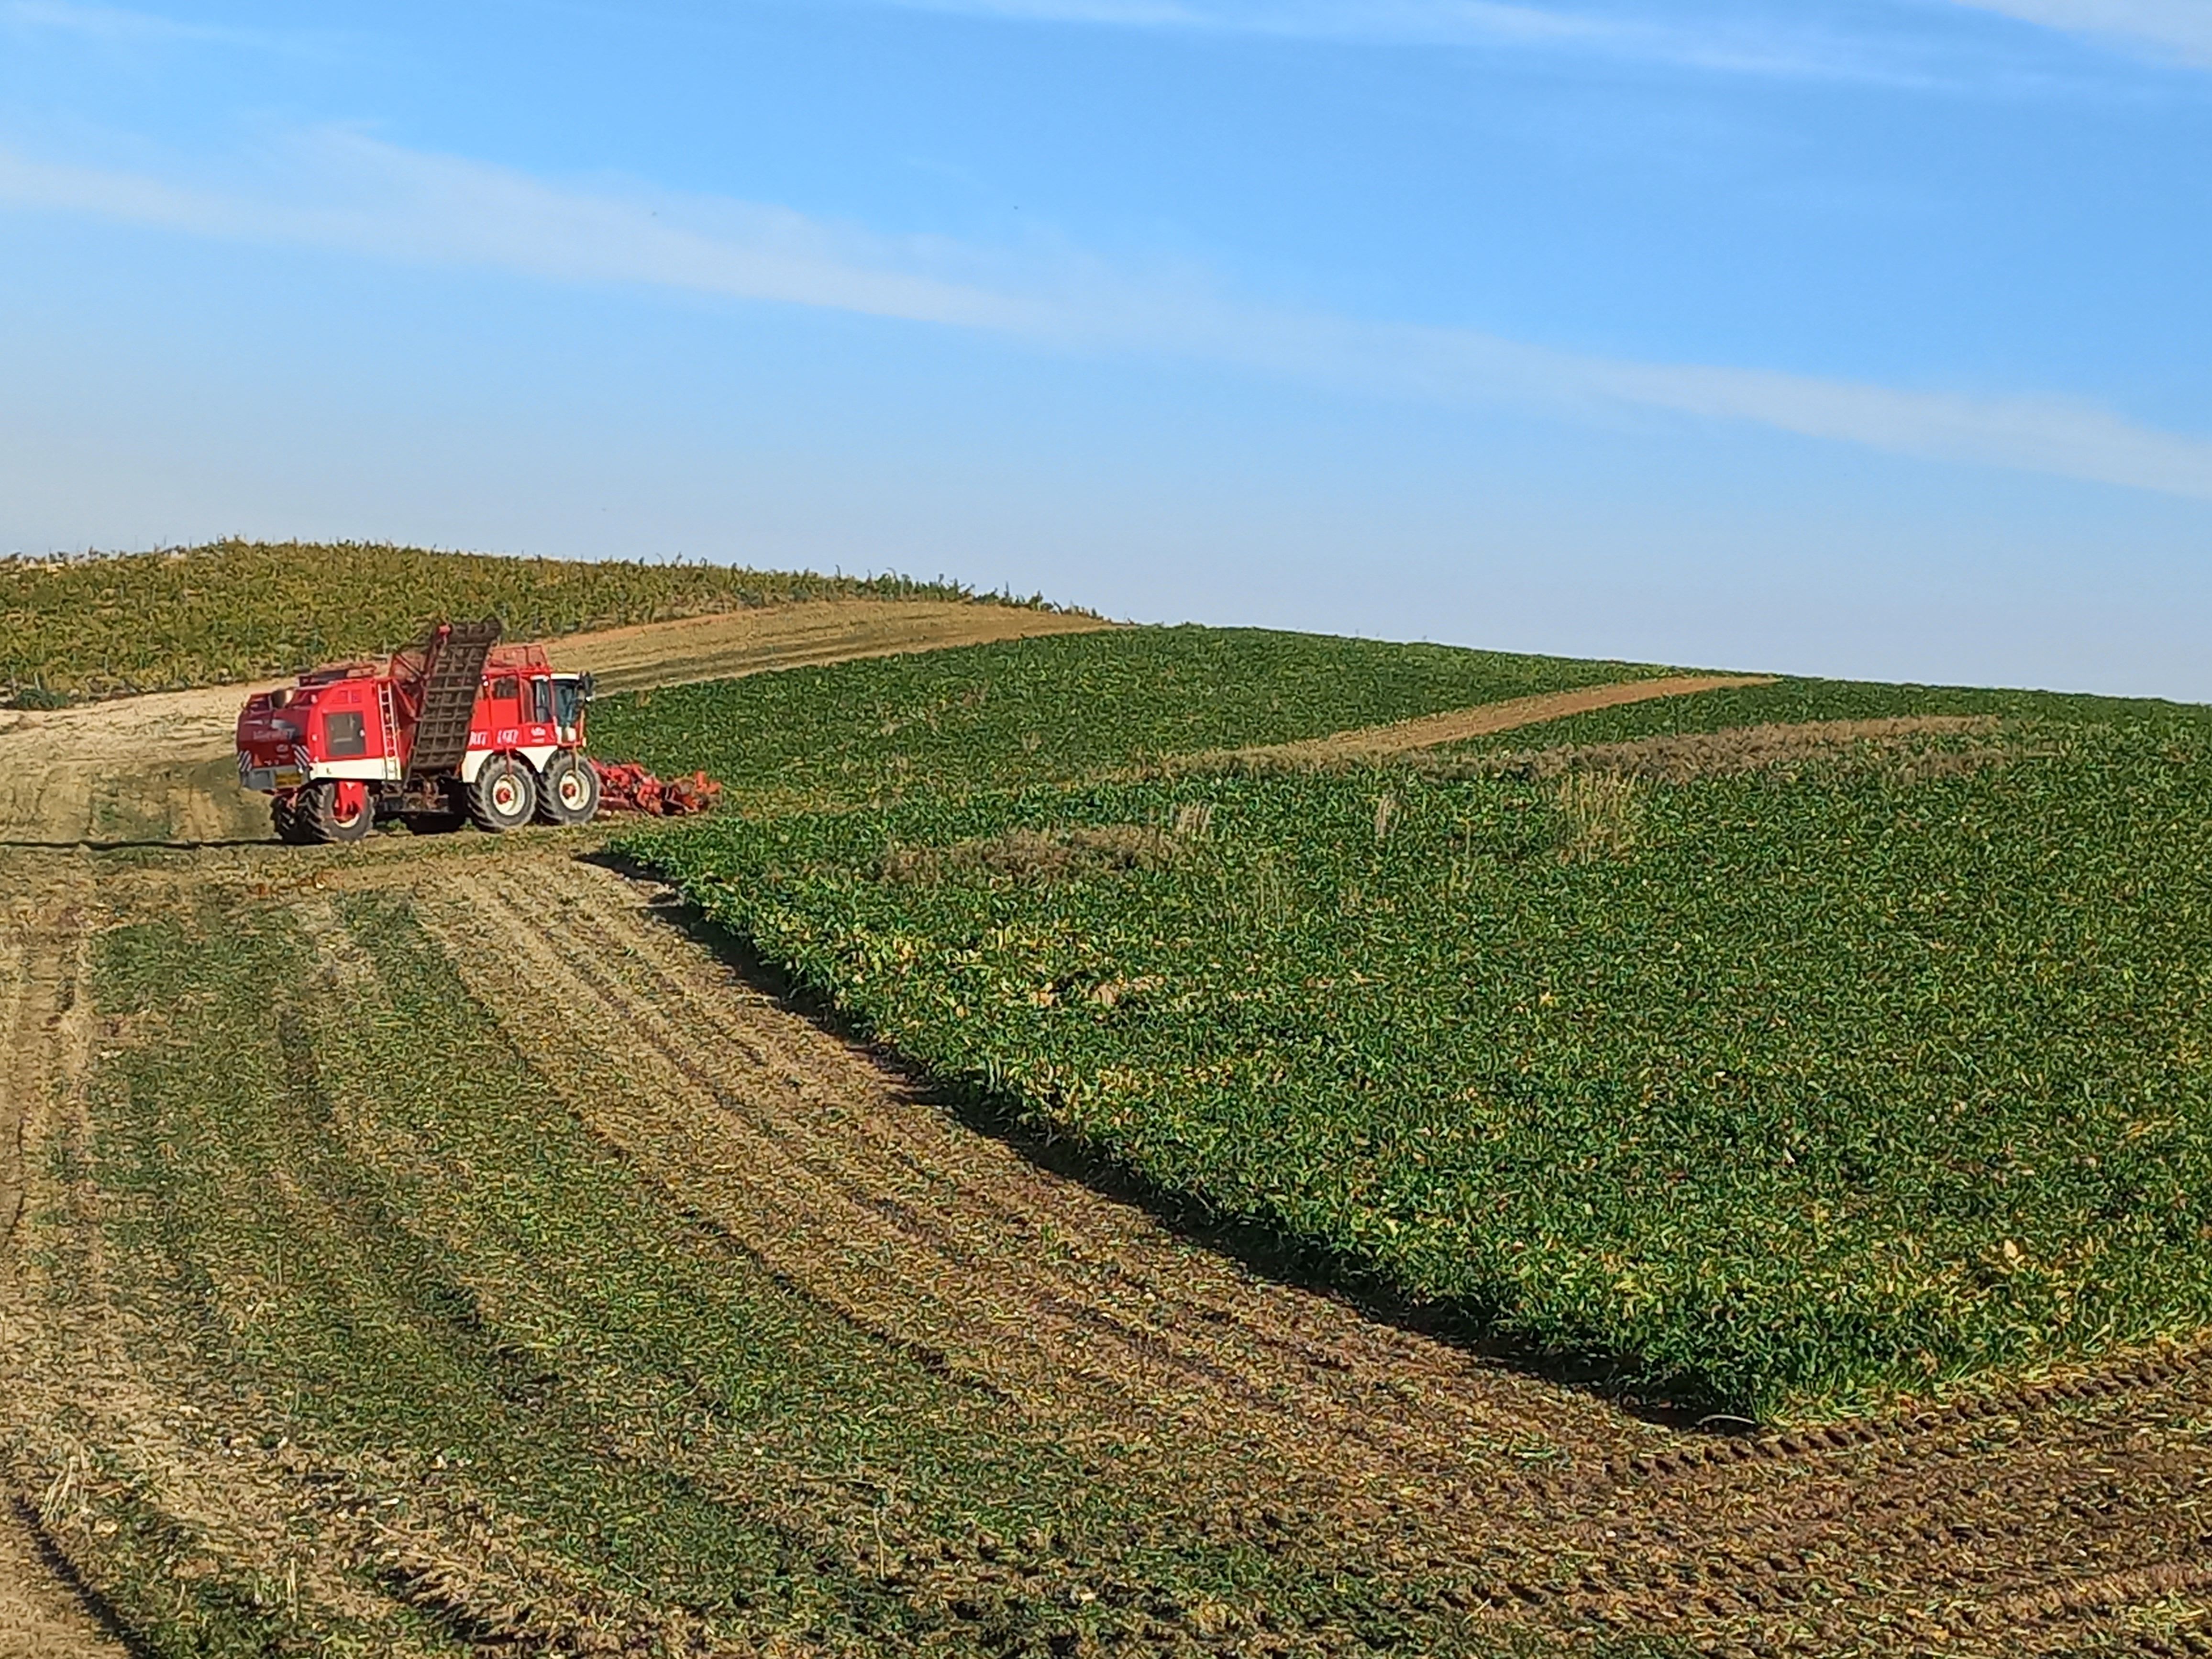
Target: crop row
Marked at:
1797, 1093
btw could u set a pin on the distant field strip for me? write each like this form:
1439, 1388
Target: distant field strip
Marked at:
1060, 710
736, 643
235, 611
1374, 743
158, 767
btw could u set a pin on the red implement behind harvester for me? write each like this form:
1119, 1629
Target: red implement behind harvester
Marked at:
457, 729
626, 786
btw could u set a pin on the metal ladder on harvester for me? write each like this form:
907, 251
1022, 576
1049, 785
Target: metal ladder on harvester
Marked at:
453, 671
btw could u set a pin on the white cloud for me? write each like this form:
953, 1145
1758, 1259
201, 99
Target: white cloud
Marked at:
2182, 27
1433, 20
118, 26
342, 191
1727, 39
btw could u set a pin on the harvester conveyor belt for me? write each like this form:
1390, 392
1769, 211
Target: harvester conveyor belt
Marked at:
453, 671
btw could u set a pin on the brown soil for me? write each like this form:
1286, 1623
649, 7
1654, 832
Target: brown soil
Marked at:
158, 769
41, 1615
1433, 730
794, 635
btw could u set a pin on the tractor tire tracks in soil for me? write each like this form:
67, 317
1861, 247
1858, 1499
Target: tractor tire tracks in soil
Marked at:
2018, 1524
43, 1614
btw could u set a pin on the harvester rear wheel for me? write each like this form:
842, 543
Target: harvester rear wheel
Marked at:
326, 814
504, 796
568, 792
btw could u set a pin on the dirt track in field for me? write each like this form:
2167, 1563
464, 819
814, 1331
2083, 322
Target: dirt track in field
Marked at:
41, 918
1373, 743
159, 769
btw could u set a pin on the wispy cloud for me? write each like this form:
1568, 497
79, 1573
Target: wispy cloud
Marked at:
341, 191
118, 26
1685, 37
1389, 20
1890, 46
2180, 27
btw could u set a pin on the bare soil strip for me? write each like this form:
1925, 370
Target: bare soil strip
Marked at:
41, 921
39, 1618
739, 642
1487, 719
2008, 1526
158, 767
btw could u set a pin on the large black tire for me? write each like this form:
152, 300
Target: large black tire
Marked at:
504, 796
286, 823
569, 789
319, 816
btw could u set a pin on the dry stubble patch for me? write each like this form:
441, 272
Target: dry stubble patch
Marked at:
188, 1519
533, 1296
1909, 743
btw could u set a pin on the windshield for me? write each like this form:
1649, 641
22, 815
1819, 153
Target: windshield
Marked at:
569, 701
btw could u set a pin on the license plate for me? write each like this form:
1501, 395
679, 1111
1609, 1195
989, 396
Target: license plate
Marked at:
289, 779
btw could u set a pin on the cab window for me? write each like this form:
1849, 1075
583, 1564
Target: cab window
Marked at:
502, 691
343, 738
541, 700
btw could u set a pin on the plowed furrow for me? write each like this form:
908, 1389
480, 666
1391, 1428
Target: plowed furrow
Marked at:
1085, 1312
1048, 1316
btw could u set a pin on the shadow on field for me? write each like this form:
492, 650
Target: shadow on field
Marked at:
153, 844
97, 1607
1262, 1249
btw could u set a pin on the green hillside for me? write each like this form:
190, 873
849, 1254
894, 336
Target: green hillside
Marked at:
1864, 1069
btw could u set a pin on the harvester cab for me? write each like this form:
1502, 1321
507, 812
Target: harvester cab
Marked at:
457, 729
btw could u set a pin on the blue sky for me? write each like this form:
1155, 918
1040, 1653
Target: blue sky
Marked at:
1850, 336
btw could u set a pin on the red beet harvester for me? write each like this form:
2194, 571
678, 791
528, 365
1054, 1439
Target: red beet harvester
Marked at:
457, 727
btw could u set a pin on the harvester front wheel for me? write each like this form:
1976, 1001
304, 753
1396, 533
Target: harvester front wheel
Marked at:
284, 819
569, 791
504, 796
335, 812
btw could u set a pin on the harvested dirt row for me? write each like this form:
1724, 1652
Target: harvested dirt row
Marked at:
1373, 743
1082, 1308
159, 768
797, 635
41, 1615
1107, 1328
